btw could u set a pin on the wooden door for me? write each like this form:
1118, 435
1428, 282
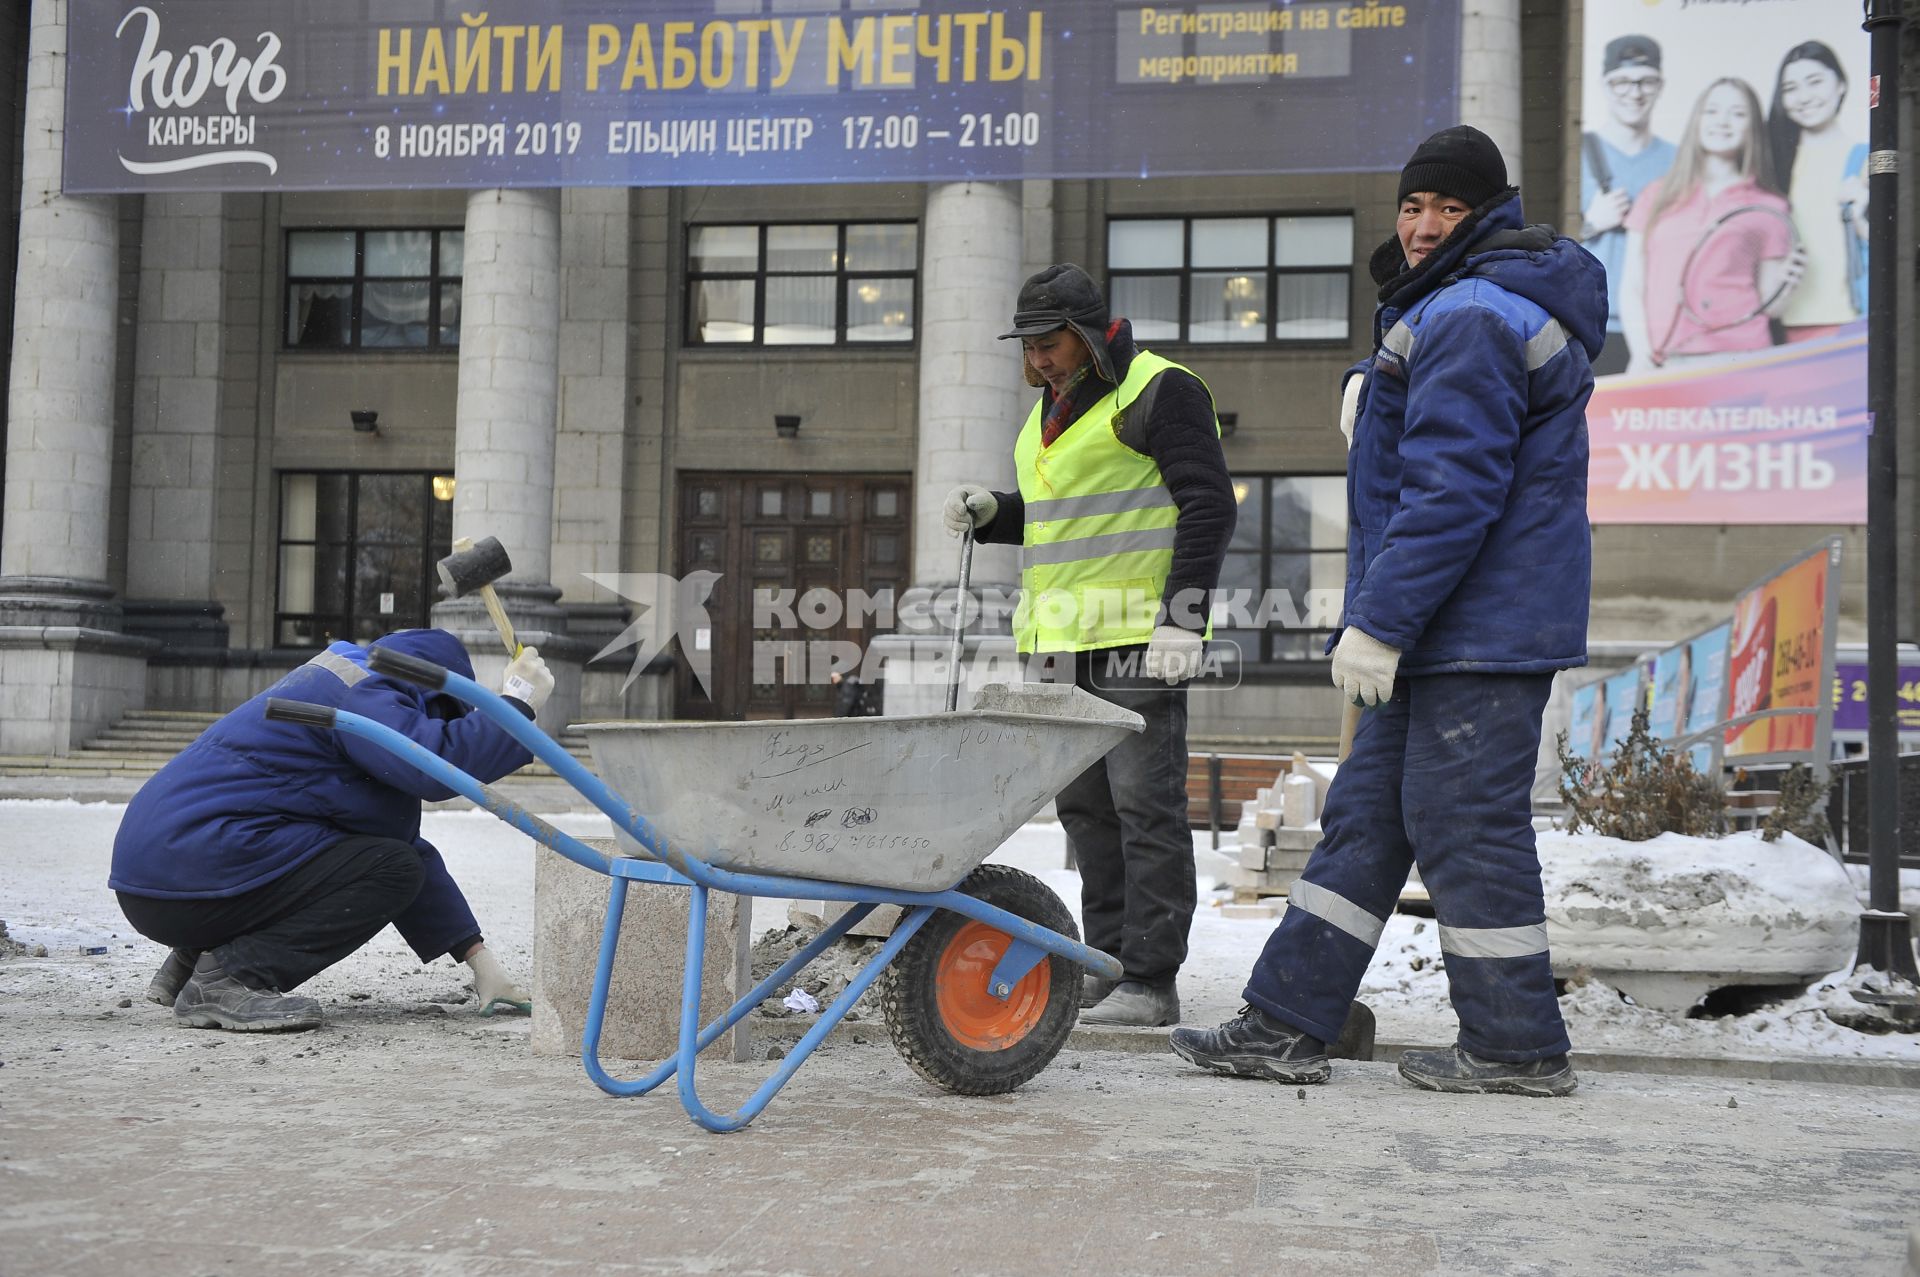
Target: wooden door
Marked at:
783, 535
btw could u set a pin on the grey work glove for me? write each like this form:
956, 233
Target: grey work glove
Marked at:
1173, 654
1363, 667
969, 506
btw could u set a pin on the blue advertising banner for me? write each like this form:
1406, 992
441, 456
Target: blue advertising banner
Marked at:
1603, 714
273, 95
1690, 690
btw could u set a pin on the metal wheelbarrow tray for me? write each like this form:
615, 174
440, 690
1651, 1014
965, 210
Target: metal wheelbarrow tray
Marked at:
981, 977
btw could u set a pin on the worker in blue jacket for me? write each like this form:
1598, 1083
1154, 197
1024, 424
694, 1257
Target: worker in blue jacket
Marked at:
267, 851
1468, 574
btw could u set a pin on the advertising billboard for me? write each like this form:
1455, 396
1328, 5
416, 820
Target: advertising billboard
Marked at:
278, 95
1722, 163
1690, 691
1780, 664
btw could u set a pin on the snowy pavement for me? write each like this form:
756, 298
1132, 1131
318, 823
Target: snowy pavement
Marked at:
52, 892
409, 1137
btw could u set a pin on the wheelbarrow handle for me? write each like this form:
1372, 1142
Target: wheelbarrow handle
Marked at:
960, 600
408, 669
282, 710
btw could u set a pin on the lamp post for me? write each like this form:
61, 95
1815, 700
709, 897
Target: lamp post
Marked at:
1886, 943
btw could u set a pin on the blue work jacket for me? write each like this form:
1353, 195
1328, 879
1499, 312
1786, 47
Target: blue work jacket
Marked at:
252, 798
1468, 547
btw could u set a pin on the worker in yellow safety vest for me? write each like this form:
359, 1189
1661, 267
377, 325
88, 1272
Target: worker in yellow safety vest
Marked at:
1123, 512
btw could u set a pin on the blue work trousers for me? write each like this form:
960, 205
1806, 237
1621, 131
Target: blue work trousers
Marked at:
1441, 777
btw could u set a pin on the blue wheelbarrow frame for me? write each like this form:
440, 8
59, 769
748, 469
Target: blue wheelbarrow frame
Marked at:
674, 865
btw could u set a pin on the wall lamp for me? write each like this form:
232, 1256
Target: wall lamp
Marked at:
366, 421
786, 425
1229, 422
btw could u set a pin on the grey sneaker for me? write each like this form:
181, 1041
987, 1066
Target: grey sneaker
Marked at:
1093, 989
1254, 1044
1458, 1071
212, 999
172, 974
1135, 1005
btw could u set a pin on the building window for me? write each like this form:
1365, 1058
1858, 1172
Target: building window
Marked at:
374, 289
811, 284
1207, 280
1285, 574
357, 553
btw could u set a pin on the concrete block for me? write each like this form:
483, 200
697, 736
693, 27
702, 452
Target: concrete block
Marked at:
1268, 818
1299, 800
1256, 911
642, 1019
816, 915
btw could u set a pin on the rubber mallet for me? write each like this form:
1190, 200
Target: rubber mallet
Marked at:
472, 568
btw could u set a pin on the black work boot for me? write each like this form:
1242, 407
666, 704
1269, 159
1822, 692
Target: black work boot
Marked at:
1093, 989
1254, 1044
172, 974
1134, 1004
212, 999
1457, 1070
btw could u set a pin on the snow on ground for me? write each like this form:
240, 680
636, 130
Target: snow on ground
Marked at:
53, 868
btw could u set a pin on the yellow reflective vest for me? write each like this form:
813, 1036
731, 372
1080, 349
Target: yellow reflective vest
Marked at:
1098, 542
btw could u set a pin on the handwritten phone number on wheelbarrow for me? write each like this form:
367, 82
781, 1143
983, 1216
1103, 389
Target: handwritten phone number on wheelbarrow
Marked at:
827, 841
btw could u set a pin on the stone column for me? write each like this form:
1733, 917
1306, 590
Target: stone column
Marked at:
65, 671
1490, 74
971, 403
176, 416
504, 426
590, 460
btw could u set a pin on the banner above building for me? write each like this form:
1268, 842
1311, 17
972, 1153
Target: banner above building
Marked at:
280, 95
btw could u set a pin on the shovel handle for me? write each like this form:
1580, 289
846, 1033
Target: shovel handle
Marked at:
959, 620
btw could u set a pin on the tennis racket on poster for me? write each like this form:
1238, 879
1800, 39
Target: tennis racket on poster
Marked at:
1720, 284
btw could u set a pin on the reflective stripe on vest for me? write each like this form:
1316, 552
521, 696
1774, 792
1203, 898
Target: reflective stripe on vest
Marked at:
1099, 528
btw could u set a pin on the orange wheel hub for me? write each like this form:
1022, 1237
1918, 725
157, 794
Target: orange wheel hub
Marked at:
973, 1015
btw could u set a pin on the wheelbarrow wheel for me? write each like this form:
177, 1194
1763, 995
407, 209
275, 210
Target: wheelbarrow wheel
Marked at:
949, 1028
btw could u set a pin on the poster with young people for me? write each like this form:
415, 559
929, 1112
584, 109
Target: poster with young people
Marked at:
1723, 185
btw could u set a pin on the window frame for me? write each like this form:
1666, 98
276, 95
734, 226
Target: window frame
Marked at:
842, 277
1265, 555
1273, 274
346, 616
435, 280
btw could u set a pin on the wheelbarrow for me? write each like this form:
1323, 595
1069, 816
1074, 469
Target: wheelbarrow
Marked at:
980, 977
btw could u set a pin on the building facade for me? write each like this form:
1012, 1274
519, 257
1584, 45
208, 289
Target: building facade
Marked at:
242, 425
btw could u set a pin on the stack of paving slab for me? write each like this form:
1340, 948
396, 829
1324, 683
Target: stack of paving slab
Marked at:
1279, 829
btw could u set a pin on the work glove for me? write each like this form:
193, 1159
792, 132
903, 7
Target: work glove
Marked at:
969, 506
528, 679
1363, 667
498, 992
1173, 654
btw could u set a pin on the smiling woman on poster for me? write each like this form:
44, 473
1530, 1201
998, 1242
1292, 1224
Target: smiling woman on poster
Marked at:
1824, 169
1710, 247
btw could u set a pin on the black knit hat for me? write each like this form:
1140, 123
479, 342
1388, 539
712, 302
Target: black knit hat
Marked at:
1461, 161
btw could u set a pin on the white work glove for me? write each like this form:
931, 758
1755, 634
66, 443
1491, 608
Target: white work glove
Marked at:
497, 991
969, 506
1350, 405
1173, 654
1363, 667
528, 679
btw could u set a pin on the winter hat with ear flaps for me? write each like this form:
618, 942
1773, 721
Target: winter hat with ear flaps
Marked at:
1064, 296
